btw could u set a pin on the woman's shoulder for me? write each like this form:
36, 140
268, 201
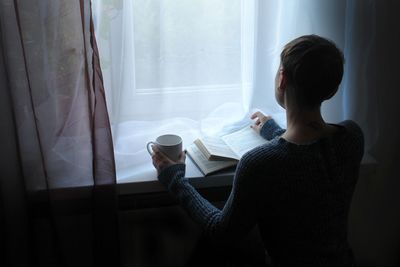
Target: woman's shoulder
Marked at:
258, 163
266, 154
351, 137
351, 126
352, 131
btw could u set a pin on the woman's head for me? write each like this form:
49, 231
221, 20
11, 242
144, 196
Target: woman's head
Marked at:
312, 68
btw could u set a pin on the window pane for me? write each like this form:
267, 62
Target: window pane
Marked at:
180, 43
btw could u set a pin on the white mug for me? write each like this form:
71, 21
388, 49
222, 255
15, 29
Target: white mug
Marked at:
169, 144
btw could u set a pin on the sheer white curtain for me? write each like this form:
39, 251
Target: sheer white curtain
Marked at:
199, 67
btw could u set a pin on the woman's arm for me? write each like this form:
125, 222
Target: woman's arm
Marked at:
238, 215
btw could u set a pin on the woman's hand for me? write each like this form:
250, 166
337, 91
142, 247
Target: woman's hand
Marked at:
161, 161
261, 119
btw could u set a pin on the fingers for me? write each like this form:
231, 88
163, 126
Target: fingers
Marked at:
161, 156
161, 161
257, 122
261, 118
155, 149
257, 114
256, 128
158, 155
157, 159
182, 157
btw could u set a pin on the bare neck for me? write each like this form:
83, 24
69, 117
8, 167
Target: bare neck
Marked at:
305, 126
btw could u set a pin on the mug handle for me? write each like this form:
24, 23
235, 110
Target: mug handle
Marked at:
148, 147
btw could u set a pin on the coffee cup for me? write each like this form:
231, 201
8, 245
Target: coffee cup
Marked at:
169, 144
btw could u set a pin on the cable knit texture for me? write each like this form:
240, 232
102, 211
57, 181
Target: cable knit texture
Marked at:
299, 195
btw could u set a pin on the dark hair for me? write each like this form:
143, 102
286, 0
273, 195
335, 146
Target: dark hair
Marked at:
313, 67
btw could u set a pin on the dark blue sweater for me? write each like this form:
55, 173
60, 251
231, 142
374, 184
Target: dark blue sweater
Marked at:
299, 195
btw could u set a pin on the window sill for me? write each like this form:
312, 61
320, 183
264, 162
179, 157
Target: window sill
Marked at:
136, 193
131, 185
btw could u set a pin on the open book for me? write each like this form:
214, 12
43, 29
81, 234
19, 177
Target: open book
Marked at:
214, 154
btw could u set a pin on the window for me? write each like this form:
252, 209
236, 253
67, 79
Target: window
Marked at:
196, 67
181, 57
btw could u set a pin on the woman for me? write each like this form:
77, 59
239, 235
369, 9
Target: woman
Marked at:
298, 187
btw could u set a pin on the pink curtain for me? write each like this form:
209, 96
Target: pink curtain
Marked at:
58, 195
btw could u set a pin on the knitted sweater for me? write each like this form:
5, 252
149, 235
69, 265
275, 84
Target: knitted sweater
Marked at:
299, 195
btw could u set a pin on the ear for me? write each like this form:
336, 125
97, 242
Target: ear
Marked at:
282, 80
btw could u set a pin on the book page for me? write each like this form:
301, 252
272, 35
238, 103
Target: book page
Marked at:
207, 166
216, 147
243, 140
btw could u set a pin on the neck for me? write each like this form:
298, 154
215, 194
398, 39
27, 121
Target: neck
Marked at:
304, 125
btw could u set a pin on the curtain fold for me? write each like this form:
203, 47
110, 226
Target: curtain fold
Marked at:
65, 158
360, 88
